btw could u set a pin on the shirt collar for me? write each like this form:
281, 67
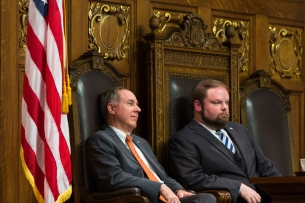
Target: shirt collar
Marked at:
209, 129
119, 133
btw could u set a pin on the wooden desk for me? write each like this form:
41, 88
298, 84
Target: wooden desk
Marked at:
288, 189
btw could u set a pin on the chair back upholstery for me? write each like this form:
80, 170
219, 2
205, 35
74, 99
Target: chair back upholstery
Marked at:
265, 109
181, 112
180, 105
90, 76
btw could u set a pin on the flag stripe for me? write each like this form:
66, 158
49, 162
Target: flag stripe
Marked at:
57, 30
44, 130
37, 114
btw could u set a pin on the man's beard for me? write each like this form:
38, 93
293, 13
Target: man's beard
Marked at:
218, 122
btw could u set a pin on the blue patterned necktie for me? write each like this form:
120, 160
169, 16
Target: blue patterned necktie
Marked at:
225, 140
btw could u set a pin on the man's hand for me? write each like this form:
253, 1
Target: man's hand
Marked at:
248, 194
183, 193
168, 194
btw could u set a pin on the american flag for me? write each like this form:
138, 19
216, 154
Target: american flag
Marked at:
45, 148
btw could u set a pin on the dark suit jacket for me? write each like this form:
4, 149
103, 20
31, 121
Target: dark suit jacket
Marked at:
199, 161
114, 167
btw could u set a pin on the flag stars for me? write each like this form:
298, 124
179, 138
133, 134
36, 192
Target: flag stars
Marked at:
45, 1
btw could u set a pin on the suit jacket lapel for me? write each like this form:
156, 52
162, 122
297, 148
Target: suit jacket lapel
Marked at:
130, 155
207, 135
120, 144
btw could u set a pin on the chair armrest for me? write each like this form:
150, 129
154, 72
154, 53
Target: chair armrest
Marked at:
124, 195
222, 196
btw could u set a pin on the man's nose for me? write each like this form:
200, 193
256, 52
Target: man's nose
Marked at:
224, 105
138, 109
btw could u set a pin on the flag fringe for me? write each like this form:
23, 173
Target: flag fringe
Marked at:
65, 195
61, 198
30, 178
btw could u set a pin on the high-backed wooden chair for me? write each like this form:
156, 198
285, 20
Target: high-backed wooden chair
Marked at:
177, 58
265, 111
90, 76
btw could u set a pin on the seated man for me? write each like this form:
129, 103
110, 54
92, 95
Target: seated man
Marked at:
212, 153
119, 159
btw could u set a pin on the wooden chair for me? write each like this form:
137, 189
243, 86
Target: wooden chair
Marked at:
90, 76
265, 111
177, 58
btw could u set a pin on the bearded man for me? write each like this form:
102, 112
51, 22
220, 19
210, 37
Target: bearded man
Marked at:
211, 152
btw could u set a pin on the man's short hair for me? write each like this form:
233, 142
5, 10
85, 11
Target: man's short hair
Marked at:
199, 91
112, 96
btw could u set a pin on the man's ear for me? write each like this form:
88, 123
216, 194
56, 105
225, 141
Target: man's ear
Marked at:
111, 108
197, 106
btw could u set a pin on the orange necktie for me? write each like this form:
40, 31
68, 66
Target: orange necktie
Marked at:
148, 172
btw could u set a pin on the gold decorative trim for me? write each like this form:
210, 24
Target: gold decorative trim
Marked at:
23, 11
285, 51
242, 29
98, 14
162, 22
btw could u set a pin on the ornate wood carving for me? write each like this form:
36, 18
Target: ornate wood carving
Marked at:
23, 12
234, 94
168, 20
234, 72
285, 51
242, 29
159, 103
109, 30
92, 60
196, 58
193, 34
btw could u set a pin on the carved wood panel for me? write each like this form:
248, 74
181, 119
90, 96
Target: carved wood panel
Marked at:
242, 34
109, 30
286, 51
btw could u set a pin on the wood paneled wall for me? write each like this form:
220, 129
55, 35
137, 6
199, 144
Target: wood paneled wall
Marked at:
262, 21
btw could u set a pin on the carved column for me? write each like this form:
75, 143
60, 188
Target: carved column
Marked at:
234, 73
154, 63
